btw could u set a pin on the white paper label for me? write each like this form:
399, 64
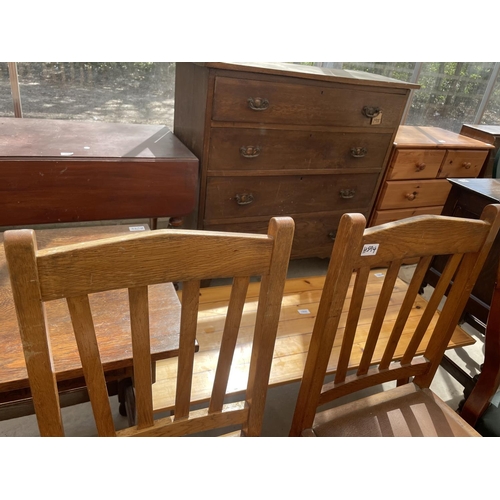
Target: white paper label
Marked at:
304, 311
136, 228
370, 249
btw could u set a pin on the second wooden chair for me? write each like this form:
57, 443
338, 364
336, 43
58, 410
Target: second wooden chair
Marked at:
409, 409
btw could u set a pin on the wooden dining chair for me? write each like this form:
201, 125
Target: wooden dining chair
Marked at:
409, 408
482, 406
135, 261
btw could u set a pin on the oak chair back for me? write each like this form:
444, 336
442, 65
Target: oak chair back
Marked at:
135, 261
357, 250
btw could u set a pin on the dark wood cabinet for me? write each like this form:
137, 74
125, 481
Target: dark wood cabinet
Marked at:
286, 139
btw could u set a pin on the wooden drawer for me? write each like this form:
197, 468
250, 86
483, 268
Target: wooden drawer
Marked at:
412, 194
289, 103
416, 164
463, 163
314, 236
258, 149
383, 216
245, 196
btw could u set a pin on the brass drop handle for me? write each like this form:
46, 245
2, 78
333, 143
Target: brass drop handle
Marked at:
332, 235
420, 166
347, 193
250, 151
358, 152
244, 199
371, 111
411, 196
467, 165
258, 103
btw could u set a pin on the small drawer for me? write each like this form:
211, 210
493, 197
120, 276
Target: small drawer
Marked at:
313, 237
383, 216
411, 194
260, 101
416, 164
271, 149
246, 196
462, 163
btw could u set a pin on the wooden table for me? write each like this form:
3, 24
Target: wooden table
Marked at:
299, 308
73, 171
111, 318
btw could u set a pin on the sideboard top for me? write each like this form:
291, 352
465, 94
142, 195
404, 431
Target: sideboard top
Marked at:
312, 73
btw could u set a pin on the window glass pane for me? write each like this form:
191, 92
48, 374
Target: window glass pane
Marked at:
450, 94
491, 114
6, 103
110, 92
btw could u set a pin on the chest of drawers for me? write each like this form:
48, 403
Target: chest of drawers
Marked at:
421, 161
285, 139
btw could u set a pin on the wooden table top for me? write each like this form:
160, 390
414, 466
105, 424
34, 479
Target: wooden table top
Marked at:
110, 312
489, 188
299, 308
56, 139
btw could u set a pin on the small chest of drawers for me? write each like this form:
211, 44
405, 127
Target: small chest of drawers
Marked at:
285, 139
422, 159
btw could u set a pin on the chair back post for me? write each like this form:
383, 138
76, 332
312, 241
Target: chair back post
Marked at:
348, 239
266, 324
33, 329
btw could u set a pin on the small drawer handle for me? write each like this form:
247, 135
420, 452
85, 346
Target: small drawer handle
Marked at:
346, 194
371, 111
467, 165
332, 235
244, 199
420, 166
358, 152
258, 103
411, 196
250, 151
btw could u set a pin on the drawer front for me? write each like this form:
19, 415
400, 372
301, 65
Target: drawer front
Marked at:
255, 101
314, 236
234, 197
416, 164
411, 194
383, 216
463, 163
260, 149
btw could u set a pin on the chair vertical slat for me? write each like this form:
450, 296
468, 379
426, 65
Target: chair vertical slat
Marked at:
358, 295
141, 349
189, 319
228, 342
404, 312
378, 317
431, 308
20, 248
83, 326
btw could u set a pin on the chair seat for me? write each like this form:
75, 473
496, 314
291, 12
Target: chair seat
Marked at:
405, 411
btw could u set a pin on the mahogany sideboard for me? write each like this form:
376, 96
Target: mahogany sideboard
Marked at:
71, 171
286, 139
